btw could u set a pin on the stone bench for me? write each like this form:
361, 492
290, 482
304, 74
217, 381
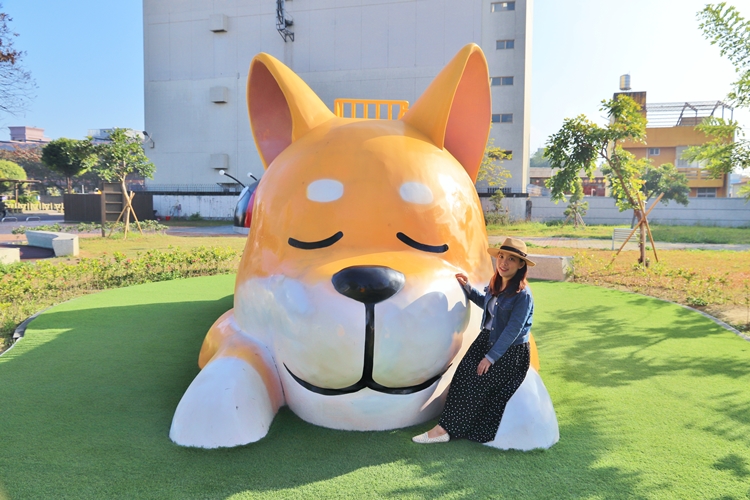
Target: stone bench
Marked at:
10, 255
620, 233
551, 267
60, 243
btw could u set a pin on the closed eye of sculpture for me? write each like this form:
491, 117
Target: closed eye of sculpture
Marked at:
313, 245
422, 246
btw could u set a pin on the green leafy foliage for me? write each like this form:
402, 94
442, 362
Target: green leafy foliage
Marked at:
28, 287
538, 160
89, 227
121, 156
577, 146
10, 170
577, 208
724, 26
69, 157
665, 179
491, 169
725, 150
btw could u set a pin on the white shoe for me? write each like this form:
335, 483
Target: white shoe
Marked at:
423, 439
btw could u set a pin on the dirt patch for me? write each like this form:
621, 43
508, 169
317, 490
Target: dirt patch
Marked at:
735, 315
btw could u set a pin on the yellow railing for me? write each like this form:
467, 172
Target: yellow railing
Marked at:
379, 109
30, 207
698, 177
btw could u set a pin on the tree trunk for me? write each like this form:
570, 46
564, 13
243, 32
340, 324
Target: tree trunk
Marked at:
70, 184
641, 236
127, 207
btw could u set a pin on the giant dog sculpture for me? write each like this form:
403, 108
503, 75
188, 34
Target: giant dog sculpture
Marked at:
346, 307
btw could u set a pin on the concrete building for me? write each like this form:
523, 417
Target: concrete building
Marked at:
23, 137
670, 131
197, 56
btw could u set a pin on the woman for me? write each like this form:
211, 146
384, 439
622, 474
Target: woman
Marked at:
496, 363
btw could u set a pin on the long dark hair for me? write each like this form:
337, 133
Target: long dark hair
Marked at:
515, 284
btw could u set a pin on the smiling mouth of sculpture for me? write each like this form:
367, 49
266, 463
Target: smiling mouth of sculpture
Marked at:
368, 285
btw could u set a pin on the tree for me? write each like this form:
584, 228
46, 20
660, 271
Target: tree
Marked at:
726, 150
10, 170
491, 169
725, 27
121, 156
576, 208
667, 180
69, 157
538, 160
576, 147
16, 84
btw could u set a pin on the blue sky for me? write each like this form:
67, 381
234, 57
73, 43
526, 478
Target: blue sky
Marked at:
87, 59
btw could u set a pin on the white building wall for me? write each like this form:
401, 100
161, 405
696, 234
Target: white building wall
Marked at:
375, 49
729, 212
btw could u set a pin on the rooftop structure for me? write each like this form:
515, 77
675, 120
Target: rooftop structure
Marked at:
685, 114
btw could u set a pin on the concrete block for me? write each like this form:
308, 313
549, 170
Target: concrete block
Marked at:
60, 243
66, 244
10, 255
551, 267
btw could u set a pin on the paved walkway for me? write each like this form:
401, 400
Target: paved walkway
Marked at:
228, 230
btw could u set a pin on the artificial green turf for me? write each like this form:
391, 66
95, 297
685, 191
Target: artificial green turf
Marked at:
652, 401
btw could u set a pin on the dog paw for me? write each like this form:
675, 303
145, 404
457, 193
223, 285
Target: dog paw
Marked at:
226, 405
529, 420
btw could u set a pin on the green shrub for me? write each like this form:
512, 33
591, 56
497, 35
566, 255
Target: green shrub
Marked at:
28, 287
87, 227
496, 219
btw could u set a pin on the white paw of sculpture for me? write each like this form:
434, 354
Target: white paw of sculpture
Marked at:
529, 421
226, 405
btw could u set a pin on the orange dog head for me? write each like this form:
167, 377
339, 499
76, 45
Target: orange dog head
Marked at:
358, 229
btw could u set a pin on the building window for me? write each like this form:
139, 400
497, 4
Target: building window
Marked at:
502, 118
502, 6
654, 151
501, 80
505, 44
706, 192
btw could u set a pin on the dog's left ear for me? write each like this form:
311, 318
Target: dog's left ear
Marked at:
455, 110
281, 106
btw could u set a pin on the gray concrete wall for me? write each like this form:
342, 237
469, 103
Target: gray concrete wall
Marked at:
732, 212
371, 49
209, 207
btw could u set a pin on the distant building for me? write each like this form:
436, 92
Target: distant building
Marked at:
197, 56
594, 186
24, 137
670, 131
735, 188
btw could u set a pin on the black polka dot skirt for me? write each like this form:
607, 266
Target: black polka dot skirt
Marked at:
475, 404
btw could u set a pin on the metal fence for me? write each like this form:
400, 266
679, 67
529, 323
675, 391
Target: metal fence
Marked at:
193, 189
507, 192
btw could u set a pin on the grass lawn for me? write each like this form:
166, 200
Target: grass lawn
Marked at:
96, 246
667, 234
651, 399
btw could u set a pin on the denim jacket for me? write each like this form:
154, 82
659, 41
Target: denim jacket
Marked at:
511, 323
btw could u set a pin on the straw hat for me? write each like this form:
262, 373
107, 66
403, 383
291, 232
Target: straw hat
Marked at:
513, 246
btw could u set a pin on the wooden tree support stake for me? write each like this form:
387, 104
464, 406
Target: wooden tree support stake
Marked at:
643, 221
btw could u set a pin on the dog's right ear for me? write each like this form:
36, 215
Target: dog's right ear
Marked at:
281, 106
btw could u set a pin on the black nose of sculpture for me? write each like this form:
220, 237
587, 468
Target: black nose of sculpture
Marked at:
368, 284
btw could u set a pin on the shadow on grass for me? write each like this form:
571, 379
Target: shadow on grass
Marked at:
88, 401
632, 338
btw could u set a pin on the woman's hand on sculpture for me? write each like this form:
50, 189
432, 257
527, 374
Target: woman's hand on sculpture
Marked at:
483, 366
463, 280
